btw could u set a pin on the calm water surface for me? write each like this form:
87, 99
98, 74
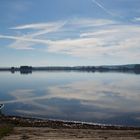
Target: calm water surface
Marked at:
108, 98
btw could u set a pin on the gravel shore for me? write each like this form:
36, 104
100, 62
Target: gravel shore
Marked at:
39, 133
37, 129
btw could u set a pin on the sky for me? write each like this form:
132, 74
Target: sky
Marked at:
69, 32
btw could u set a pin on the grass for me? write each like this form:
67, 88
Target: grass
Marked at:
5, 129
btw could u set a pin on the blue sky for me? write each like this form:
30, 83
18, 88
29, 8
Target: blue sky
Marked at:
69, 32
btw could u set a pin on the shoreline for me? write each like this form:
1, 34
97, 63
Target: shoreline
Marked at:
128, 68
20, 128
56, 124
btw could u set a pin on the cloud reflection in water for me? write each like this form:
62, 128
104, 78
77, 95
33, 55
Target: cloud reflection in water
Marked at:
102, 99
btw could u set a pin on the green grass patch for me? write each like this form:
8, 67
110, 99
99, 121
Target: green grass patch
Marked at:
5, 129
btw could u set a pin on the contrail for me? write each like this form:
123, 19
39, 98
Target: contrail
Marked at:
26, 39
103, 8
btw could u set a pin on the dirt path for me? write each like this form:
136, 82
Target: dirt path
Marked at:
37, 133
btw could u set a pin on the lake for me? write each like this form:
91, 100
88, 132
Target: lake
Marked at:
105, 98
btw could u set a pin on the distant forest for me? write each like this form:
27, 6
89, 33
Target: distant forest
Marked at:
132, 68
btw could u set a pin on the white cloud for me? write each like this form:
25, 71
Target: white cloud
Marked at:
27, 41
22, 45
111, 40
52, 26
137, 19
91, 22
122, 41
97, 33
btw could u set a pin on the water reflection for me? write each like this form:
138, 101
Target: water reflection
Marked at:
100, 98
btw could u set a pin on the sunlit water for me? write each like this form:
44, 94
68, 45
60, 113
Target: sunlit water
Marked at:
107, 98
